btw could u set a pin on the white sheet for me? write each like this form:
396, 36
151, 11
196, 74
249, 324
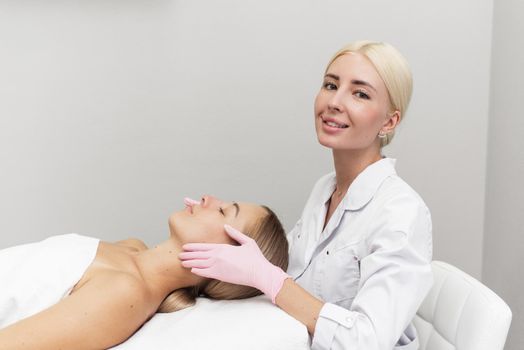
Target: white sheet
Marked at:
35, 276
253, 324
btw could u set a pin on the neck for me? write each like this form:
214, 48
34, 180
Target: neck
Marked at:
348, 164
162, 270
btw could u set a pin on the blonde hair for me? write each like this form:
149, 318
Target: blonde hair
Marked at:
271, 239
392, 67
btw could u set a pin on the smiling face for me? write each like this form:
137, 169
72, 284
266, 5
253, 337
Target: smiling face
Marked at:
204, 222
353, 105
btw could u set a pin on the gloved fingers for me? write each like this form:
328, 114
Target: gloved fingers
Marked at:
204, 272
190, 202
197, 254
190, 247
237, 235
197, 263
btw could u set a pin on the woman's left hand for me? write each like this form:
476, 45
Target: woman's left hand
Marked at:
244, 264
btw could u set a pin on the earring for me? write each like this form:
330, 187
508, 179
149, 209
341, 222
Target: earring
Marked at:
381, 135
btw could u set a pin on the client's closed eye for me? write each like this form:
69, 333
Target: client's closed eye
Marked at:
221, 211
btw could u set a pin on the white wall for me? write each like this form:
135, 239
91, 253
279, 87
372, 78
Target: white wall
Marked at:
504, 235
112, 111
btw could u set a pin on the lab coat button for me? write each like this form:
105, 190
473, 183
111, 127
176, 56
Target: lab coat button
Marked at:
350, 320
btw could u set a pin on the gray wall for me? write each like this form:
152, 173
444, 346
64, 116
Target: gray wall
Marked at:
504, 235
112, 111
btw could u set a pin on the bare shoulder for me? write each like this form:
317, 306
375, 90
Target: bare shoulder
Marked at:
134, 243
127, 291
123, 299
104, 312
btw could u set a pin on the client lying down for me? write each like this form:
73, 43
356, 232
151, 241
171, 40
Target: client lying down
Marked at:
76, 292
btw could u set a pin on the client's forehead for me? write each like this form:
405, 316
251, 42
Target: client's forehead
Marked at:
250, 211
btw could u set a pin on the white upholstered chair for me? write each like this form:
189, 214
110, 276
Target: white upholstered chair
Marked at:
460, 313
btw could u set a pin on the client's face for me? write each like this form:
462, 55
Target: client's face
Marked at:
204, 222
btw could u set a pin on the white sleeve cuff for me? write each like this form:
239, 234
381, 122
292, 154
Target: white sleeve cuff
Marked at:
330, 318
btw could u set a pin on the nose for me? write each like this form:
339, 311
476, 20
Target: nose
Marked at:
208, 201
334, 103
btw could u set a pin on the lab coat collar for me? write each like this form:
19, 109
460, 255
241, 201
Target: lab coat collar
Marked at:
366, 184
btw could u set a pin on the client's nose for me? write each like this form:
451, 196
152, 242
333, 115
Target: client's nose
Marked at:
208, 200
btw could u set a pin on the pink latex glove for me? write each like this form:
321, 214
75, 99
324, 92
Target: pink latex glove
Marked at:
244, 264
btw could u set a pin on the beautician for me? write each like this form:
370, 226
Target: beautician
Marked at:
360, 254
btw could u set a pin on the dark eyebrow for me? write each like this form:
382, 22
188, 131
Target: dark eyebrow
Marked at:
354, 81
332, 76
237, 208
362, 82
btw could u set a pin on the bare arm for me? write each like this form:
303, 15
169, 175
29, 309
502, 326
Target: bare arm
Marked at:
299, 303
103, 313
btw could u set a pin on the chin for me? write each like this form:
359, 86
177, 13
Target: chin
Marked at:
327, 141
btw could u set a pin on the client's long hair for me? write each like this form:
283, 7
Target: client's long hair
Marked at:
271, 239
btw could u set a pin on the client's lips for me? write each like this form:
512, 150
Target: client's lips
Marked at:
333, 122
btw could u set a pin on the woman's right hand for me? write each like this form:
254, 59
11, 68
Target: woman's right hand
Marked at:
243, 264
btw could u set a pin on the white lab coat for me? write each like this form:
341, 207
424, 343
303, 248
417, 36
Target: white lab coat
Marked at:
371, 263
